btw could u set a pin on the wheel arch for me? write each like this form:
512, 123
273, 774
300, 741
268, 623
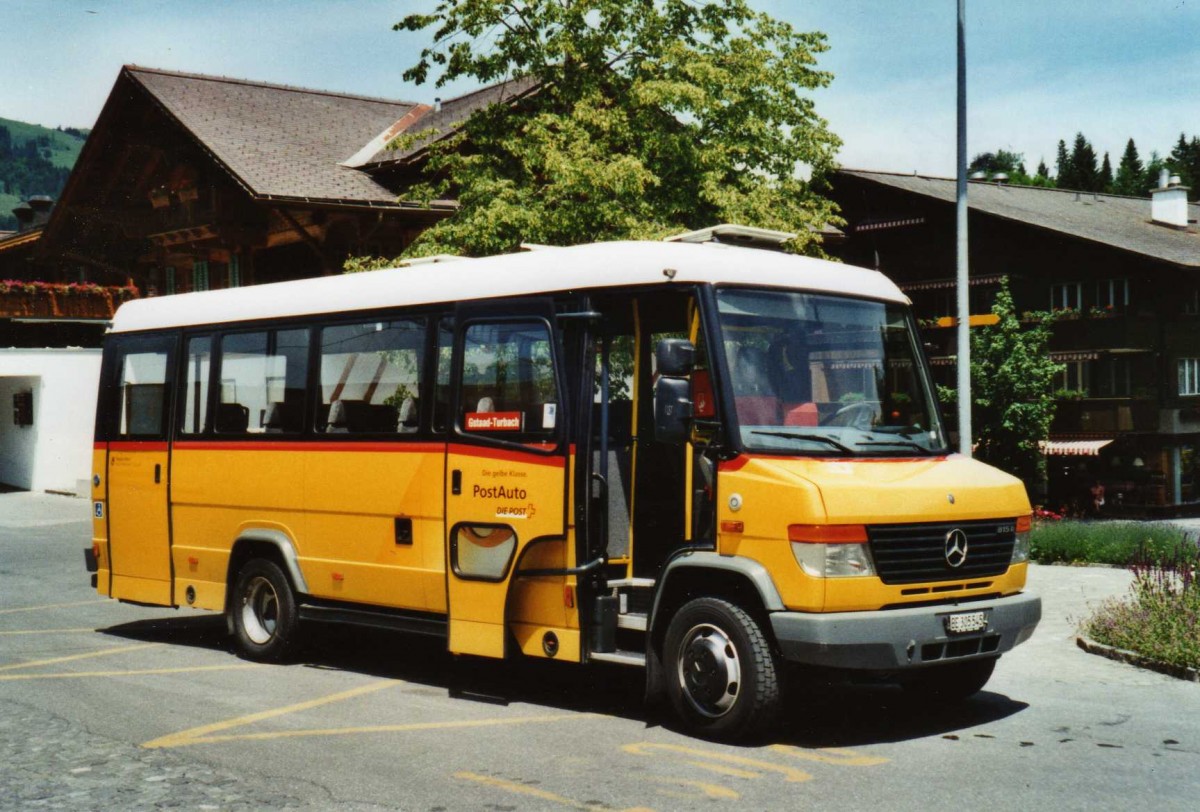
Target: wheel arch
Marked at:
739, 580
263, 542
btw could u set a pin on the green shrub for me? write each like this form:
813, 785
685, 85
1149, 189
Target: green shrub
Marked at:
1160, 617
1117, 543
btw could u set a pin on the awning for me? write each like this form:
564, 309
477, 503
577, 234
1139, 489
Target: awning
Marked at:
947, 284
1073, 448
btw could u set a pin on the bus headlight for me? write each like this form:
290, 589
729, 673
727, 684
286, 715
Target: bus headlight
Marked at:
831, 551
1021, 548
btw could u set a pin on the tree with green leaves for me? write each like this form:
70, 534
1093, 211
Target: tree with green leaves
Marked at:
647, 117
1012, 391
1065, 170
1184, 161
1131, 175
1105, 180
1084, 171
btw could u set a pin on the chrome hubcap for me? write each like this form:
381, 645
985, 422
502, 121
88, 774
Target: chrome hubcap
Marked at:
260, 610
709, 670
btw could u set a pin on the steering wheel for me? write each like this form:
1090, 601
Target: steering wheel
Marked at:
855, 415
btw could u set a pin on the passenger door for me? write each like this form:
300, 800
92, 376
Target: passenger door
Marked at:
506, 465
139, 409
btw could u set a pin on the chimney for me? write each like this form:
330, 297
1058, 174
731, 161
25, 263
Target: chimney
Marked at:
1168, 203
437, 104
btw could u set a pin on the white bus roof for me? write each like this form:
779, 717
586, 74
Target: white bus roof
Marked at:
551, 270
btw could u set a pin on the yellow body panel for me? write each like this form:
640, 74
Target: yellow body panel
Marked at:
137, 516
100, 519
776, 492
338, 507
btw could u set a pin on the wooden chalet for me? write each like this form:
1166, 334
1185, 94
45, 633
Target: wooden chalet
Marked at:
192, 182
1124, 274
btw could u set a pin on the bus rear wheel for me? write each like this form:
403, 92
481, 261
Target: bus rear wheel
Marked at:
722, 678
265, 619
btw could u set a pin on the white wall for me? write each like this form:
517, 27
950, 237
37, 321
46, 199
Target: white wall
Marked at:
55, 453
17, 443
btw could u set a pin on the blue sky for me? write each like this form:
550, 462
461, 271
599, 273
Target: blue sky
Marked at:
1039, 70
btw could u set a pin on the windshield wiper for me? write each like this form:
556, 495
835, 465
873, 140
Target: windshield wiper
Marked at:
788, 435
901, 443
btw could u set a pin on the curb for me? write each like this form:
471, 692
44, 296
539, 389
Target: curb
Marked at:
1139, 660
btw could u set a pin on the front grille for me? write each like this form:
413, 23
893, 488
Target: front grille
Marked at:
913, 553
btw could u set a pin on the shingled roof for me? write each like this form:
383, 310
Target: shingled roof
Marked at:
440, 122
278, 141
1119, 222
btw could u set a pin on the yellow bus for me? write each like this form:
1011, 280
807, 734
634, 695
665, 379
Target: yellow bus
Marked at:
708, 460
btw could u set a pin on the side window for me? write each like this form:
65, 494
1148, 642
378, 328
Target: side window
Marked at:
262, 382
371, 377
193, 412
143, 395
509, 388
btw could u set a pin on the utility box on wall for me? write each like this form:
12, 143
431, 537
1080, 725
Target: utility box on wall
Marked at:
23, 409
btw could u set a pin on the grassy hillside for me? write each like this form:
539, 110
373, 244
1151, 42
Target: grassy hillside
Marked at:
64, 145
34, 160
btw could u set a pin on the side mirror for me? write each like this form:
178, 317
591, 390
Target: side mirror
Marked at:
675, 357
672, 410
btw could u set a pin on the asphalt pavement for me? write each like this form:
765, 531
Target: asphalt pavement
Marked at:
107, 705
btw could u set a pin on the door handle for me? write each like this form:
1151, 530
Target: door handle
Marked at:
157, 473
456, 482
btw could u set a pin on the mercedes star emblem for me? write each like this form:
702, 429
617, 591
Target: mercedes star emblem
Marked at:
956, 548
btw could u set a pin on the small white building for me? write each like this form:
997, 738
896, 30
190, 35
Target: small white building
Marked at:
47, 418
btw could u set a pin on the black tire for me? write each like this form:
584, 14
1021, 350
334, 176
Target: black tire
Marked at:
953, 682
721, 675
265, 619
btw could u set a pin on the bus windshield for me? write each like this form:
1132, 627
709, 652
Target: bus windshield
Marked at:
824, 375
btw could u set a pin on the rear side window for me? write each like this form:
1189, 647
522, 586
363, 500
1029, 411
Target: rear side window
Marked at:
262, 382
135, 402
370, 377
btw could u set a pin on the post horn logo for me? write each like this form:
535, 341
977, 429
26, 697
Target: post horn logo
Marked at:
956, 548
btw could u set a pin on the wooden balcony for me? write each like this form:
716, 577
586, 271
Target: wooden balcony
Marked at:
1105, 333
1105, 415
48, 300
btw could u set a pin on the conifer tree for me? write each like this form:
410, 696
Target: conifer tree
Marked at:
1106, 176
1131, 175
1064, 168
1083, 163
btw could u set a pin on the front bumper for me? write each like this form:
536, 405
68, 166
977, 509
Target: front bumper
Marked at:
896, 639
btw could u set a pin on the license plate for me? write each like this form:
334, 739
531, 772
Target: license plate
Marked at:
966, 622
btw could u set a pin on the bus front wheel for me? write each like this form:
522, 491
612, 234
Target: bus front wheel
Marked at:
722, 678
265, 618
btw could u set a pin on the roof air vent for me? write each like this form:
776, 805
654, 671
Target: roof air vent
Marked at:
981, 175
999, 177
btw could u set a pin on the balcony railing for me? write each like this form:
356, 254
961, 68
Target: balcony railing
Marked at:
52, 300
1093, 415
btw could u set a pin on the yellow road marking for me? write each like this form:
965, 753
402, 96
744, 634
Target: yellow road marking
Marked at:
831, 755
410, 727
135, 673
197, 734
84, 656
719, 762
47, 631
709, 790
52, 606
521, 789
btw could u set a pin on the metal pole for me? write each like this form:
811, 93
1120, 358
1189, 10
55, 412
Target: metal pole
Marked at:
963, 284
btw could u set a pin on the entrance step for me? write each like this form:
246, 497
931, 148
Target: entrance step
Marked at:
631, 583
632, 620
633, 658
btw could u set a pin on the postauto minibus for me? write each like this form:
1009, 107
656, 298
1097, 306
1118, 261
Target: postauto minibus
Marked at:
710, 461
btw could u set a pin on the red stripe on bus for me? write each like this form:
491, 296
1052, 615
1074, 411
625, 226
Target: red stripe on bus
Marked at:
742, 460
301, 445
134, 445
508, 455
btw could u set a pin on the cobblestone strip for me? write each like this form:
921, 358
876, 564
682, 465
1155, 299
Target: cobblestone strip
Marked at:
49, 763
